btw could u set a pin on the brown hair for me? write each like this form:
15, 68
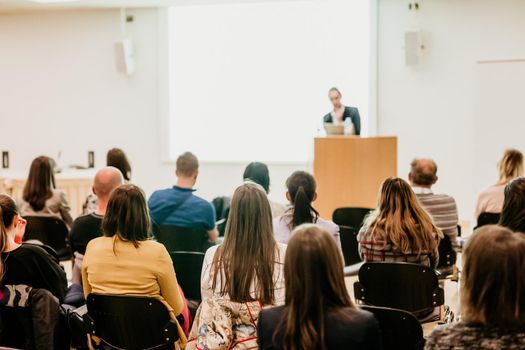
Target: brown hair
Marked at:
401, 221
248, 254
336, 90
423, 172
127, 215
40, 183
510, 166
187, 164
493, 278
315, 285
8, 211
301, 187
513, 212
117, 158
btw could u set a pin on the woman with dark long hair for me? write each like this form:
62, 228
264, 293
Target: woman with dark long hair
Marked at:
319, 314
240, 276
40, 196
513, 213
301, 193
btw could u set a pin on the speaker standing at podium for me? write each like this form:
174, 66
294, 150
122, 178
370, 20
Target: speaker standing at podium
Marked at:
342, 114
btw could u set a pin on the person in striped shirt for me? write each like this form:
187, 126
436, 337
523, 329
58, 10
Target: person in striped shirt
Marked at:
441, 207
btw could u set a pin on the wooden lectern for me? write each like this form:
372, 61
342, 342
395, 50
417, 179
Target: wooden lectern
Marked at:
350, 169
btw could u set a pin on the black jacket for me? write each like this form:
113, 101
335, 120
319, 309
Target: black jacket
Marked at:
350, 112
346, 328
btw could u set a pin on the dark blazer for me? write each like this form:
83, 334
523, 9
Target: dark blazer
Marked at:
350, 112
346, 328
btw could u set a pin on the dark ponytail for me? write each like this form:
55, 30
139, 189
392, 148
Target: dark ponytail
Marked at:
301, 187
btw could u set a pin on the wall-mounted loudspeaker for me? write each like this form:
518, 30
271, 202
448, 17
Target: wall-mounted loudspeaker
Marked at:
125, 56
413, 47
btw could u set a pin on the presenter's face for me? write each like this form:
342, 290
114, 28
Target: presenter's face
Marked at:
335, 98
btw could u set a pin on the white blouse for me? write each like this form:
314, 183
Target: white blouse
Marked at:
207, 276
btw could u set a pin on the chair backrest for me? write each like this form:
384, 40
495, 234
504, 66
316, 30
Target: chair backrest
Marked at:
222, 210
399, 329
188, 266
177, 238
447, 254
129, 322
349, 244
405, 286
488, 219
353, 217
50, 231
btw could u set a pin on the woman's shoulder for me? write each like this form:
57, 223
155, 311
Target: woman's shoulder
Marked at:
465, 334
328, 225
354, 316
27, 250
270, 315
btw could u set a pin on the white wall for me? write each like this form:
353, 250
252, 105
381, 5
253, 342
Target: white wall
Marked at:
433, 107
60, 90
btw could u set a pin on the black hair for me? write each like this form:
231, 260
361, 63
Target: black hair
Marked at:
301, 187
513, 213
258, 173
117, 158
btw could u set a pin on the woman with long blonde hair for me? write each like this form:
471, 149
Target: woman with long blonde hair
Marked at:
491, 199
399, 230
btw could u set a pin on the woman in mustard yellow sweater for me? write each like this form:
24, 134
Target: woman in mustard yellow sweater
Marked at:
125, 261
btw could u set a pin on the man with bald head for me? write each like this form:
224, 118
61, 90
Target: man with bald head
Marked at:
87, 227
441, 207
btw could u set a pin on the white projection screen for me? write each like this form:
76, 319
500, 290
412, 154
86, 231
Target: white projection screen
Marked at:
249, 81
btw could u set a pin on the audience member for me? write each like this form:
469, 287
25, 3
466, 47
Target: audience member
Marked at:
492, 290
513, 213
399, 230
491, 199
248, 265
240, 276
319, 313
114, 158
126, 261
40, 196
29, 264
87, 227
441, 207
301, 193
258, 172
178, 206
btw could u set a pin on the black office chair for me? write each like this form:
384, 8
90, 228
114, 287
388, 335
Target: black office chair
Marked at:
488, 219
447, 255
50, 231
222, 210
349, 244
352, 217
399, 329
410, 287
184, 239
131, 323
188, 266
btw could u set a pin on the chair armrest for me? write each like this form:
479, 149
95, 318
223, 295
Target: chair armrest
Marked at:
353, 270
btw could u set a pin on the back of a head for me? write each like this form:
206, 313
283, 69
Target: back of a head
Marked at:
127, 215
187, 165
8, 211
106, 180
493, 278
314, 278
513, 213
117, 158
400, 219
511, 165
248, 252
301, 187
40, 183
423, 172
258, 173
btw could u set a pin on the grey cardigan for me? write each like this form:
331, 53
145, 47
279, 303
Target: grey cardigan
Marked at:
56, 206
